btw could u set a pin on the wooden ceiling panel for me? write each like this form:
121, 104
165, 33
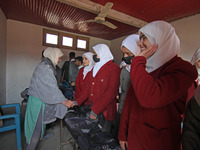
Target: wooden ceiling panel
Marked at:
168, 10
127, 15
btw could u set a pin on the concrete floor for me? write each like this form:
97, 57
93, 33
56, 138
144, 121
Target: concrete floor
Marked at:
8, 140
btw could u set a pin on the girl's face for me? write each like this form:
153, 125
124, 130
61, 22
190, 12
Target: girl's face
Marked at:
59, 59
96, 54
198, 63
126, 52
86, 61
144, 43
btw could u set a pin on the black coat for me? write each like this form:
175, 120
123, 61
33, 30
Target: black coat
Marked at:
191, 126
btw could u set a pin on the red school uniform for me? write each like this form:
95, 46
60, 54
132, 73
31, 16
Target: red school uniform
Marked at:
101, 91
80, 82
151, 117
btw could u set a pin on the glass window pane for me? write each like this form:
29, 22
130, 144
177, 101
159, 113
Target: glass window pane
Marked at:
81, 44
67, 41
51, 39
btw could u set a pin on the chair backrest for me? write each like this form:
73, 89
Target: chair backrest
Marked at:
12, 121
16, 105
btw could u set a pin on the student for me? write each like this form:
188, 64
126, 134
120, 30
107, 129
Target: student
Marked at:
79, 65
151, 117
43, 95
130, 49
69, 69
102, 88
191, 124
196, 61
79, 62
84, 73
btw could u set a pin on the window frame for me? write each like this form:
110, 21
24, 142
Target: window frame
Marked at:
45, 32
60, 38
87, 43
61, 35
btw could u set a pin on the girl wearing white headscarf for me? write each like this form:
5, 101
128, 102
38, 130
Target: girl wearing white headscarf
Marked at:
196, 61
156, 98
102, 88
84, 72
130, 49
43, 93
104, 53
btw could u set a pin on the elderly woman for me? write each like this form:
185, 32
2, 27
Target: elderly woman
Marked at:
84, 72
151, 117
46, 101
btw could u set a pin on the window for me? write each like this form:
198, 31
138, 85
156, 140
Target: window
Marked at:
50, 38
82, 43
65, 40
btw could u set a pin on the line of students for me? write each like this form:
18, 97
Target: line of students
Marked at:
159, 81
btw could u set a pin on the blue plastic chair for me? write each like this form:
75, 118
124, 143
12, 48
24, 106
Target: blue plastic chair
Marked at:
12, 121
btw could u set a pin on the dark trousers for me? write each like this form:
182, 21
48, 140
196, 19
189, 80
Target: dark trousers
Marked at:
36, 133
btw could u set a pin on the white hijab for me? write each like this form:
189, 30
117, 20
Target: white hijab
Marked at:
162, 34
195, 57
103, 51
53, 54
194, 60
130, 43
89, 56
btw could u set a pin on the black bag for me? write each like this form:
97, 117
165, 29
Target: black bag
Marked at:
99, 141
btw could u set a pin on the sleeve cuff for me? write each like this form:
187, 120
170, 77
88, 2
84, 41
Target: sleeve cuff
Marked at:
75, 103
95, 115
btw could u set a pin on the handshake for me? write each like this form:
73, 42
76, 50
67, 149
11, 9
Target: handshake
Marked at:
68, 103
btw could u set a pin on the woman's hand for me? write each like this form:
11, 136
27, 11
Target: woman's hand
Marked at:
68, 103
92, 116
123, 144
73, 84
149, 52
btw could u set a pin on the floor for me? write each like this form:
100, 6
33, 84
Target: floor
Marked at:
8, 139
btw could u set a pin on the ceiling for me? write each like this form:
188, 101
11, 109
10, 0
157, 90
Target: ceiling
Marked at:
127, 15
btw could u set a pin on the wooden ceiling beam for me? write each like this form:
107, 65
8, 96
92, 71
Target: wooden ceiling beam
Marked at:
113, 14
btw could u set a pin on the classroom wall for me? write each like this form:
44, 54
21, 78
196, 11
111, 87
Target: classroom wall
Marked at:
24, 47
2, 58
188, 30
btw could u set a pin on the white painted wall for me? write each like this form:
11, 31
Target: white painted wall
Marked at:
24, 47
2, 58
188, 30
